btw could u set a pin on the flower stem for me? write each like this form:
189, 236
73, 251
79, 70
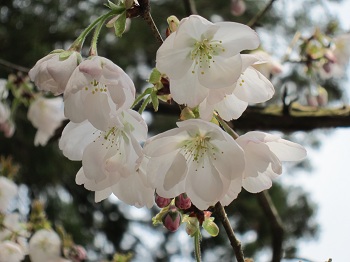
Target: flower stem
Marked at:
141, 96
78, 43
93, 49
144, 104
226, 127
235, 243
197, 247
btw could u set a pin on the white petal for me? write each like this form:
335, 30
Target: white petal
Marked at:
286, 150
233, 191
103, 194
236, 37
75, 138
176, 172
231, 107
73, 107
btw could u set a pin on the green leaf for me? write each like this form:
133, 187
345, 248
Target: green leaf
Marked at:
155, 101
119, 25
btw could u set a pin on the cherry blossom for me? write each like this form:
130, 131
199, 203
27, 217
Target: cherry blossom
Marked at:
202, 55
46, 114
268, 65
251, 87
197, 158
11, 252
8, 190
111, 159
44, 246
52, 72
263, 155
96, 90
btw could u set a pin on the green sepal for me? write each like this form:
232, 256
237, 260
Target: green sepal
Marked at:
158, 219
57, 51
155, 76
65, 55
120, 24
155, 101
210, 226
117, 8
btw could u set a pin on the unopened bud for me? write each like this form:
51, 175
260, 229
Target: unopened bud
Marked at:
172, 219
192, 225
162, 201
210, 226
173, 23
311, 100
238, 7
183, 201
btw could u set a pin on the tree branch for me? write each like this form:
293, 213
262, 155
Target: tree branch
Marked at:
270, 211
235, 243
255, 19
13, 66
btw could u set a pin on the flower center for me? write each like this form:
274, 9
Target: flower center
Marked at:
204, 52
196, 148
95, 86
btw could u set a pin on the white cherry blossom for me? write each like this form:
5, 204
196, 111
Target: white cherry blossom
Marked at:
202, 55
197, 158
8, 190
44, 246
46, 114
263, 155
52, 72
111, 159
3, 90
11, 252
251, 87
96, 90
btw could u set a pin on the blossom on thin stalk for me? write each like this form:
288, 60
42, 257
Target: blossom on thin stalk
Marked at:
197, 158
51, 73
112, 159
263, 155
251, 87
97, 89
202, 55
46, 114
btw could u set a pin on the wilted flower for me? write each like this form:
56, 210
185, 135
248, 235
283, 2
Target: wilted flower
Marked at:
46, 114
52, 72
201, 56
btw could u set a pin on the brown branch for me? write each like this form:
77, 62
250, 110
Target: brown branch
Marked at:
258, 16
13, 66
270, 211
235, 243
190, 7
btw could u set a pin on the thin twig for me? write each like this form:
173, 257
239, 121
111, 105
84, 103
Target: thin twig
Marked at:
255, 19
271, 212
145, 13
190, 7
235, 243
13, 66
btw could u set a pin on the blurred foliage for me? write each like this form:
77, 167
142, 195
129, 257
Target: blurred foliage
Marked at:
30, 29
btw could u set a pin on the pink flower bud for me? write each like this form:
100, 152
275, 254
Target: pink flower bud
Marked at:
162, 201
238, 7
172, 219
183, 202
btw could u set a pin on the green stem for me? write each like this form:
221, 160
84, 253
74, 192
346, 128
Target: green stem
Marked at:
78, 43
144, 104
226, 127
197, 247
140, 97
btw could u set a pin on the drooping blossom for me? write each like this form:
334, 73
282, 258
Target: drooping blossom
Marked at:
8, 190
198, 159
11, 252
46, 114
44, 246
96, 90
52, 72
263, 155
111, 159
251, 87
202, 55
337, 58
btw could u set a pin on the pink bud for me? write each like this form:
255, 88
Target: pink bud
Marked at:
183, 202
238, 7
172, 219
77, 253
327, 67
162, 201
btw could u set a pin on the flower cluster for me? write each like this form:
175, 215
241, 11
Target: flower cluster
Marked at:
197, 164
